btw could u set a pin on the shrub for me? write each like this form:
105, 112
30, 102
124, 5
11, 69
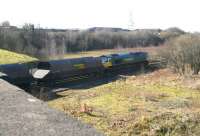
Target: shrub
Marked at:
183, 53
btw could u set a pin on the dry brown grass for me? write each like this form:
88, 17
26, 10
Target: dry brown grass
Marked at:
157, 103
152, 50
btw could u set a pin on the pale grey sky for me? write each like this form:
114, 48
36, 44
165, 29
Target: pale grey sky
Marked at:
103, 13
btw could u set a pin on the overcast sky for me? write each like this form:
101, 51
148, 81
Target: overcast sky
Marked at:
184, 14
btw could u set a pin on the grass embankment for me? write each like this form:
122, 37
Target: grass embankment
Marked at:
150, 104
7, 57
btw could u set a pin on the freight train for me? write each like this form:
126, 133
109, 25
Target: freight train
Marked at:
55, 71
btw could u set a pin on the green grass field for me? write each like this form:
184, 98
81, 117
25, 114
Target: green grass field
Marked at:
7, 57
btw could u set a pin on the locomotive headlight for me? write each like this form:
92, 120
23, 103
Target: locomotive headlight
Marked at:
40, 73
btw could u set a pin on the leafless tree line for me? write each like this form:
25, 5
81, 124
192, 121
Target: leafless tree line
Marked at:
183, 53
42, 43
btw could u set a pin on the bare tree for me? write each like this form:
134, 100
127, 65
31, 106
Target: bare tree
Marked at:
184, 52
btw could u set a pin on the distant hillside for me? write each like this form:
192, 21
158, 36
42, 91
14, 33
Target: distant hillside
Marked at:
107, 29
45, 43
7, 57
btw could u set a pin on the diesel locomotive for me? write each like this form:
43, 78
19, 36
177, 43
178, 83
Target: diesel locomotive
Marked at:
69, 69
